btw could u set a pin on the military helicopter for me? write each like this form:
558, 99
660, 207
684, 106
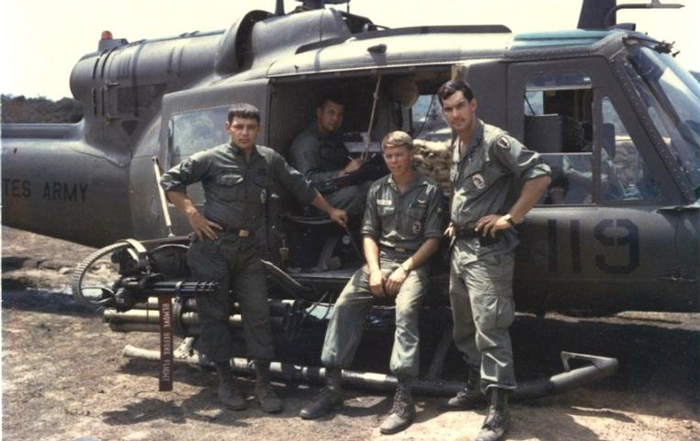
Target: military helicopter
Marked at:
607, 107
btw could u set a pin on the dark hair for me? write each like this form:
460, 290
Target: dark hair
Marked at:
451, 87
243, 110
334, 97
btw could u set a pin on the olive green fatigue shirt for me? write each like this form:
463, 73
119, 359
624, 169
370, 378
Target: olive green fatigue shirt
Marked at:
488, 180
318, 157
403, 221
236, 189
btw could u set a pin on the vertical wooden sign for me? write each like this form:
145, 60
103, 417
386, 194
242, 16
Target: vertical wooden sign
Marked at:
165, 307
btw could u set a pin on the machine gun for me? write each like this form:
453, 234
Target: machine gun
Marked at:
144, 269
154, 268
152, 294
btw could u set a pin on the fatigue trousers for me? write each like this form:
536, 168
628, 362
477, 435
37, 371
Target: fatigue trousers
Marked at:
481, 295
234, 263
354, 303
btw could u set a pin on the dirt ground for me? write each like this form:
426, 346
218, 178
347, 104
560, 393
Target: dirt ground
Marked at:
63, 376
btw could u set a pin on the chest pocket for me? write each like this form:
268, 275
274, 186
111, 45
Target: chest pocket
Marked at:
230, 187
262, 179
481, 180
386, 210
415, 218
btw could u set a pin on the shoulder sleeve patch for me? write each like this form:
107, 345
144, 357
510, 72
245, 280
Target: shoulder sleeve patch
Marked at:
503, 142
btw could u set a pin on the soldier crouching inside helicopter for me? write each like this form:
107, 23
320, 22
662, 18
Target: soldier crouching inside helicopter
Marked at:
236, 178
321, 156
488, 166
401, 229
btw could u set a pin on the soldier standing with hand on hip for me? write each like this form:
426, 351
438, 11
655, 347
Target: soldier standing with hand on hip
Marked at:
496, 181
237, 178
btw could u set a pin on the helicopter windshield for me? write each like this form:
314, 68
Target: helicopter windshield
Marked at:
672, 98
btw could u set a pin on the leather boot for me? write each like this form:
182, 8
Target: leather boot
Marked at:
497, 418
468, 397
403, 412
229, 395
266, 396
329, 398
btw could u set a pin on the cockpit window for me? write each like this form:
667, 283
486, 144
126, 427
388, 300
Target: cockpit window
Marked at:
672, 98
195, 131
624, 176
191, 132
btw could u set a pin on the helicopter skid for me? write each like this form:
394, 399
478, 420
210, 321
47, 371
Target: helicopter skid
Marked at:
596, 368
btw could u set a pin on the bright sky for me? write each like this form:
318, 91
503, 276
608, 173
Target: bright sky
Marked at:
41, 40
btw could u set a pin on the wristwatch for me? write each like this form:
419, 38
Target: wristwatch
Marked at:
404, 267
509, 219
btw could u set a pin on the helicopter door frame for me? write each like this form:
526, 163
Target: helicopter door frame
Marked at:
206, 99
596, 254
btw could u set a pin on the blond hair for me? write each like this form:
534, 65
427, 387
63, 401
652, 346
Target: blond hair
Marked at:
397, 139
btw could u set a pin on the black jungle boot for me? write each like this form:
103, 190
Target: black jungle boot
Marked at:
468, 397
327, 399
229, 395
266, 396
403, 412
497, 418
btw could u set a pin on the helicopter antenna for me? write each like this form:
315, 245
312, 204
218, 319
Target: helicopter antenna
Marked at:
375, 96
161, 193
279, 8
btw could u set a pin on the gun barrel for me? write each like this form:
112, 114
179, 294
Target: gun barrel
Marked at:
149, 321
173, 288
277, 307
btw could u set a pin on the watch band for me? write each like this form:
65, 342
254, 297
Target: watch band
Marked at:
509, 219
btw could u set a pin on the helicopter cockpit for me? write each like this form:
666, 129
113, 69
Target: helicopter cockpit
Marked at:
672, 99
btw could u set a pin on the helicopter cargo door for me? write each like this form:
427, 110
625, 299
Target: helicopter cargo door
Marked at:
595, 241
194, 121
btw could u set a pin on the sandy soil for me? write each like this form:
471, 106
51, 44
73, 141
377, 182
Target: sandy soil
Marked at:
64, 376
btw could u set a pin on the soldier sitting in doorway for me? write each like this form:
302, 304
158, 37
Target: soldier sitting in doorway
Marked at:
320, 155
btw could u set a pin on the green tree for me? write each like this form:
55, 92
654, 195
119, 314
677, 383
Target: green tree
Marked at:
20, 109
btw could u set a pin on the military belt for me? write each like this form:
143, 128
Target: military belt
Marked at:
396, 249
470, 233
466, 233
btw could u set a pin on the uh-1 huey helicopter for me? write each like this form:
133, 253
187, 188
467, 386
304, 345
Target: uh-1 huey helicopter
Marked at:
607, 107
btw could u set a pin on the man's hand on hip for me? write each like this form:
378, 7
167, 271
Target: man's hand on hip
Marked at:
492, 224
203, 226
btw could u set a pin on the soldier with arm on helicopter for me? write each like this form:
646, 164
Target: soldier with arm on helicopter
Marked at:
401, 229
236, 178
320, 155
496, 181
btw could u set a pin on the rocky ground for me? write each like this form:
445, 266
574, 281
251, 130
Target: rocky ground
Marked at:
64, 376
